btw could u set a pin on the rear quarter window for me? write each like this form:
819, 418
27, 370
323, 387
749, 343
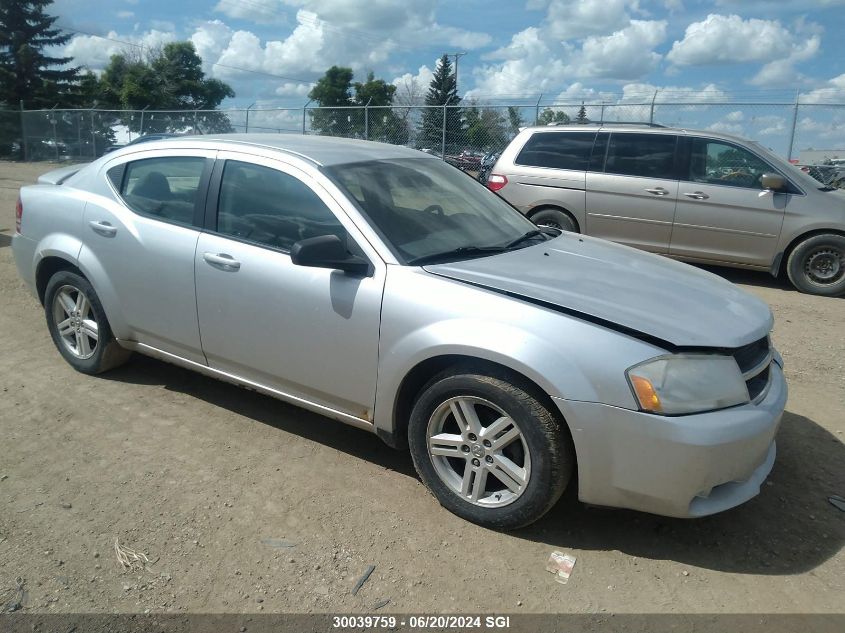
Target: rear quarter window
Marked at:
650, 155
557, 150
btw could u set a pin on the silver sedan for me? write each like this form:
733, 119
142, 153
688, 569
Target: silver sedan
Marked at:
382, 287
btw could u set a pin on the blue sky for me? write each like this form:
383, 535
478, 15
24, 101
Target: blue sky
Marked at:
615, 51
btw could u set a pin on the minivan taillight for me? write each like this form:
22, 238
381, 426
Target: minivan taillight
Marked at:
496, 182
18, 215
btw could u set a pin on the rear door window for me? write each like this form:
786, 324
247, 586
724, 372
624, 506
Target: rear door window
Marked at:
557, 150
649, 155
164, 188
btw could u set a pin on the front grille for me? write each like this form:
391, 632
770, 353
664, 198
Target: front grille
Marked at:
754, 360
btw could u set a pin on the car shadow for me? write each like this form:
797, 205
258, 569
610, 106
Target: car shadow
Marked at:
143, 370
749, 277
789, 528
5, 240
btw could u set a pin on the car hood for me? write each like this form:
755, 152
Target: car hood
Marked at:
619, 286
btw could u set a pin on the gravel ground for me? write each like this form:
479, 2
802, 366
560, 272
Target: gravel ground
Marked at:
245, 504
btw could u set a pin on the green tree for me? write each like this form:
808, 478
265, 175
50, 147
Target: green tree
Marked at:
28, 73
167, 79
581, 117
551, 117
442, 90
486, 128
333, 90
382, 123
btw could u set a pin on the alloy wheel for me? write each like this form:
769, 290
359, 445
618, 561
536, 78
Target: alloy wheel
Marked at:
75, 322
478, 451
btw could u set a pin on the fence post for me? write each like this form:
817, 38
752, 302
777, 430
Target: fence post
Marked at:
537, 110
443, 147
651, 114
141, 128
23, 132
794, 124
367, 120
79, 133
246, 127
601, 115
304, 109
93, 136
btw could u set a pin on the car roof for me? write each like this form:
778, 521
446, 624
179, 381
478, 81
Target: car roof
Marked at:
635, 127
321, 150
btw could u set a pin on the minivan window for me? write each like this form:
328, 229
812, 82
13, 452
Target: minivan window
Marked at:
164, 188
599, 151
718, 163
272, 208
558, 150
632, 154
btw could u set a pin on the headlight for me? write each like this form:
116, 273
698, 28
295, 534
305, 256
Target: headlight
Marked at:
687, 383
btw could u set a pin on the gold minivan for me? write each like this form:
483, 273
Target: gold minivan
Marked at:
697, 196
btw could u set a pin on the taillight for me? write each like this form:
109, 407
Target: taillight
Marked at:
18, 215
496, 182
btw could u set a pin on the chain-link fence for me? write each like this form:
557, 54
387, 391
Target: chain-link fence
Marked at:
460, 134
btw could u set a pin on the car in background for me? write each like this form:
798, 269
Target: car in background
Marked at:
381, 287
698, 196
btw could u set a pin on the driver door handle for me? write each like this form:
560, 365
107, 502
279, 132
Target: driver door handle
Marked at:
659, 191
697, 195
223, 261
101, 227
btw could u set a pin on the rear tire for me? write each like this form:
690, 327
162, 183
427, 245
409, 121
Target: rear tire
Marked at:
556, 219
488, 449
78, 325
817, 265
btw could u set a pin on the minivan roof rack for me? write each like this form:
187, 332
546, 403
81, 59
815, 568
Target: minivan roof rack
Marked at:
604, 123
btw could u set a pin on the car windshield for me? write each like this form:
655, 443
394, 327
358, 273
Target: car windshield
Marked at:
428, 211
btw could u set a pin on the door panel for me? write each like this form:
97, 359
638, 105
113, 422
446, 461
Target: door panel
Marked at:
633, 202
723, 214
148, 262
309, 332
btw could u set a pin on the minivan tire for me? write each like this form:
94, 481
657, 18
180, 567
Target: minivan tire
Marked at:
542, 451
556, 219
105, 353
817, 265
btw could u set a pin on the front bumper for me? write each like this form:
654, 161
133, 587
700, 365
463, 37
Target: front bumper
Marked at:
684, 466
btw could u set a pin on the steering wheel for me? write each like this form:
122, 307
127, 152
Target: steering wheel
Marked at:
435, 209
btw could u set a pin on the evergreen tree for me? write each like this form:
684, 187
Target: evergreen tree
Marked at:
27, 72
442, 90
581, 117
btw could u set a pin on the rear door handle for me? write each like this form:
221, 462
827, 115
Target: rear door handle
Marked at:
659, 191
224, 261
101, 227
697, 195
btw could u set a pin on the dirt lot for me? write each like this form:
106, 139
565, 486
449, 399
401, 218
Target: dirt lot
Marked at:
198, 475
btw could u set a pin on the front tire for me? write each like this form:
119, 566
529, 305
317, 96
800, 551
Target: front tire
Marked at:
489, 449
556, 219
78, 325
817, 265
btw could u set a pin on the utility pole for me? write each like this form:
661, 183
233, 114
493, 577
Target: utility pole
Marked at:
457, 56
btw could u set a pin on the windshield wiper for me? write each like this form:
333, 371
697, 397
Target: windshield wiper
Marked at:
455, 254
524, 238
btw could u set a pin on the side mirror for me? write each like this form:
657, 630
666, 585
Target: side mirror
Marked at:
773, 182
328, 251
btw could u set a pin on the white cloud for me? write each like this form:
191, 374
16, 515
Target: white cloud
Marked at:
831, 91
257, 11
411, 88
626, 54
730, 39
575, 20
95, 52
679, 94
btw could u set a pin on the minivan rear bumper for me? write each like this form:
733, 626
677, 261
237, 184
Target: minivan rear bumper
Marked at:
685, 466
